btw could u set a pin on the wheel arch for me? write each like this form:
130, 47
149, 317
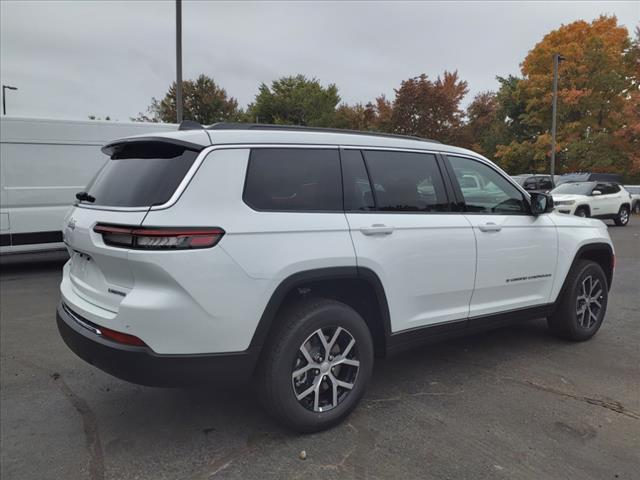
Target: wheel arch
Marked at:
585, 206
358, 287
599, 252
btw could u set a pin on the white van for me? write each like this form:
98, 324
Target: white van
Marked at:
43, 164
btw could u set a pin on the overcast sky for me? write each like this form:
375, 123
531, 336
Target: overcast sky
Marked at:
76, 58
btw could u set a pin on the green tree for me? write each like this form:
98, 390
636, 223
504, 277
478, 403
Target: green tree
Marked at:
295, 100
203, 101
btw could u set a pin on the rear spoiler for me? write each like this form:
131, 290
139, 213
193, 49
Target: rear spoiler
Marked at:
118, 145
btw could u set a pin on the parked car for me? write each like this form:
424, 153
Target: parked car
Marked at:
602, 200
535, 183
291, 257
44, 163
588, 177
634, 190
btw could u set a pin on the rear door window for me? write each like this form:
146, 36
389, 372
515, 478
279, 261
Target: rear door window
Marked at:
406, 181
294, 179
141, 174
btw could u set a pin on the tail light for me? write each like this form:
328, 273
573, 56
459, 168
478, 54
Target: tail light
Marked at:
159, 238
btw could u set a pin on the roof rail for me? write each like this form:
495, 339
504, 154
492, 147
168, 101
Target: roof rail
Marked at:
302, 128
190, 125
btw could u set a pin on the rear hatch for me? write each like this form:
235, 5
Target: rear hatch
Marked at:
139, 174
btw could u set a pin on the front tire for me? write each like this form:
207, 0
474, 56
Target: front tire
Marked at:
583, 305
316, 366
582, 212
623, 216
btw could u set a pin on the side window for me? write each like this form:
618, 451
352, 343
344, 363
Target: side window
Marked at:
545, 184
530, 184
357, 189
406, 182
294, 179
494, 194
612, 188
601, 187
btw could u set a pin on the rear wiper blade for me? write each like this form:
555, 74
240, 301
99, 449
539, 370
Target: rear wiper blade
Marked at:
85, 197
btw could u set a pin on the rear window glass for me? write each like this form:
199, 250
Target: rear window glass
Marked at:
294, 179
141, 175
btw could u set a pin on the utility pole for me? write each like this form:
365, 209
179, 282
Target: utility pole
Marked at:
4, 95
557, 58
179, 61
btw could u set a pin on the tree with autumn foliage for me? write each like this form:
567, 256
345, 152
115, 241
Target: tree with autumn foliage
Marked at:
597, 81
203, 101
430, 109
370, 117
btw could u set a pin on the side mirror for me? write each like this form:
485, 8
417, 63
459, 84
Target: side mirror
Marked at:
596, 192
541, 203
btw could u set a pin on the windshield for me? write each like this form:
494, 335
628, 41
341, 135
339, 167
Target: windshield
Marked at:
575, 188
520, 180
140, 175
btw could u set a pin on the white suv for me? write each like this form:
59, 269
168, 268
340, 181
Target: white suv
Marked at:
294, 256
604, 200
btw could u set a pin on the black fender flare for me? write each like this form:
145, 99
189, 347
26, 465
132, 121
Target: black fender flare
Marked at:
320, 274
589, 247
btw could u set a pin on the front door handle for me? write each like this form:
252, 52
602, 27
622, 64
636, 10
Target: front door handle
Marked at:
377, 229
490, 227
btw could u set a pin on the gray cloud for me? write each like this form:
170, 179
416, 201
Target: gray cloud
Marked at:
75, 58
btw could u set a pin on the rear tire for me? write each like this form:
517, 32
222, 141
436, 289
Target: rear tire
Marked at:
335, 370
582, 212
623, 216
583, 305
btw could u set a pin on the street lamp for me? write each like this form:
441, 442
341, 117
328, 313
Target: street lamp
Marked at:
4, 103
557, 58
179, 61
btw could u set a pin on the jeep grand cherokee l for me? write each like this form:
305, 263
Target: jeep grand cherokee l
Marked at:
294, 256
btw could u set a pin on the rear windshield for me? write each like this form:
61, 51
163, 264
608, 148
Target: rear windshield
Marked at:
141, 175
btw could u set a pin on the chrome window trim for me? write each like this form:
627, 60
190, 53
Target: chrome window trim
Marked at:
244, 146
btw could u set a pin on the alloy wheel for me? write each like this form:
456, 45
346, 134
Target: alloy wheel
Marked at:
325, 369
589, 302
623, 216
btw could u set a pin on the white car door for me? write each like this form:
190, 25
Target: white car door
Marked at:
613, 195
403, 230
600, 202
517, 252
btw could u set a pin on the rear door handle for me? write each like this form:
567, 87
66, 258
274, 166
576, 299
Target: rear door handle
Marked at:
490, 227
377, 229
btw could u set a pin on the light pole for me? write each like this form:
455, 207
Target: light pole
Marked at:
557, 58
179, 60
4, 95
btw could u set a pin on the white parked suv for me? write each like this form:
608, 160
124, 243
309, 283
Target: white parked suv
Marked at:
294, 256
634, 190
604, 200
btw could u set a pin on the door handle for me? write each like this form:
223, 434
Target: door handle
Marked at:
377, 229
490, 227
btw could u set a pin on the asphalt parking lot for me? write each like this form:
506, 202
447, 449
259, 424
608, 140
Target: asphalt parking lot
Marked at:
513, 403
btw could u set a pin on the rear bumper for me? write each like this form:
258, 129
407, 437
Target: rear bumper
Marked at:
142, 366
